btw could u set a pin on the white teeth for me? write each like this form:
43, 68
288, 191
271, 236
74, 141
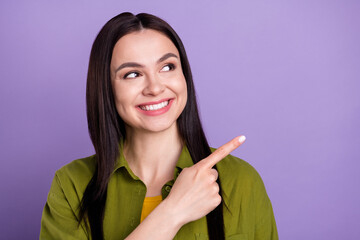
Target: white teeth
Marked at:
154, 106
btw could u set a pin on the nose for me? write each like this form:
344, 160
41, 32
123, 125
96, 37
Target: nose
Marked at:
154, 86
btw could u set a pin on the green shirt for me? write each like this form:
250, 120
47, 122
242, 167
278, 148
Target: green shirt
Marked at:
247, 209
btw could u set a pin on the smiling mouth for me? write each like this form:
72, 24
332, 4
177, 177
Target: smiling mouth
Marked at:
154, 107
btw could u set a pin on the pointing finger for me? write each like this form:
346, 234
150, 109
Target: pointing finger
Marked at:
222, 152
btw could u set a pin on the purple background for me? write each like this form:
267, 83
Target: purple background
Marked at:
284, 73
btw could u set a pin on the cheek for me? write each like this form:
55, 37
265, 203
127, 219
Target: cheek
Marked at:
118, 94
122, 96
181, 90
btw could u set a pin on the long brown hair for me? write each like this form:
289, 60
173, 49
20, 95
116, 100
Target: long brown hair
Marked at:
106, 128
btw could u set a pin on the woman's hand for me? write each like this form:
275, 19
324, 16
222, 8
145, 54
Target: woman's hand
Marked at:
195, 192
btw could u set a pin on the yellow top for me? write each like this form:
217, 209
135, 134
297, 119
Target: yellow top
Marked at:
150, 203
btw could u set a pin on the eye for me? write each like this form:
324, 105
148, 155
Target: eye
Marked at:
168, 67
131, 75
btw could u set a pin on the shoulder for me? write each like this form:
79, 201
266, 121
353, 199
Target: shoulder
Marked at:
74, 177
80, 168
235, 169
238, 178
60, 214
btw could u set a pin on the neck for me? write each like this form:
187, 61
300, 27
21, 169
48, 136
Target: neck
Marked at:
153, 156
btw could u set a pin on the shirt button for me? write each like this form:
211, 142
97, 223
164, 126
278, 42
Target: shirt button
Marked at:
167, 188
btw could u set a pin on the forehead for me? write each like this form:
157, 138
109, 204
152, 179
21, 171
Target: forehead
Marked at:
144, 45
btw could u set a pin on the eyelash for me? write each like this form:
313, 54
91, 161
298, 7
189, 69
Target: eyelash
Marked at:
170, 65
127, 74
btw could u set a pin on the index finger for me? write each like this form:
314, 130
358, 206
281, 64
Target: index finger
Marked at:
223, 151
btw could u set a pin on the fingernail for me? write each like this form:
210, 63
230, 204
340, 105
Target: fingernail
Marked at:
242, 139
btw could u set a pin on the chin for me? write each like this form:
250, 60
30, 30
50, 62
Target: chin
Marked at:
153, 124
160, 127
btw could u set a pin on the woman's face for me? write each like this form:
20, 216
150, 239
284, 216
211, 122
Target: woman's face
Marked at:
147, 79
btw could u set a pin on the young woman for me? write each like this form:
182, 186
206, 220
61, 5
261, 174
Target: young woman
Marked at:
154, 175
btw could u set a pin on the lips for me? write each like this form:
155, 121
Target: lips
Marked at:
155, 108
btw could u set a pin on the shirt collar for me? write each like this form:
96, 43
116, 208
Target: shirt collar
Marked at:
184, 159
183, 162
122, 163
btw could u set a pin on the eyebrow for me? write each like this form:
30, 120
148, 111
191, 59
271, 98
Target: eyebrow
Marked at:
134, 64
166, 56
